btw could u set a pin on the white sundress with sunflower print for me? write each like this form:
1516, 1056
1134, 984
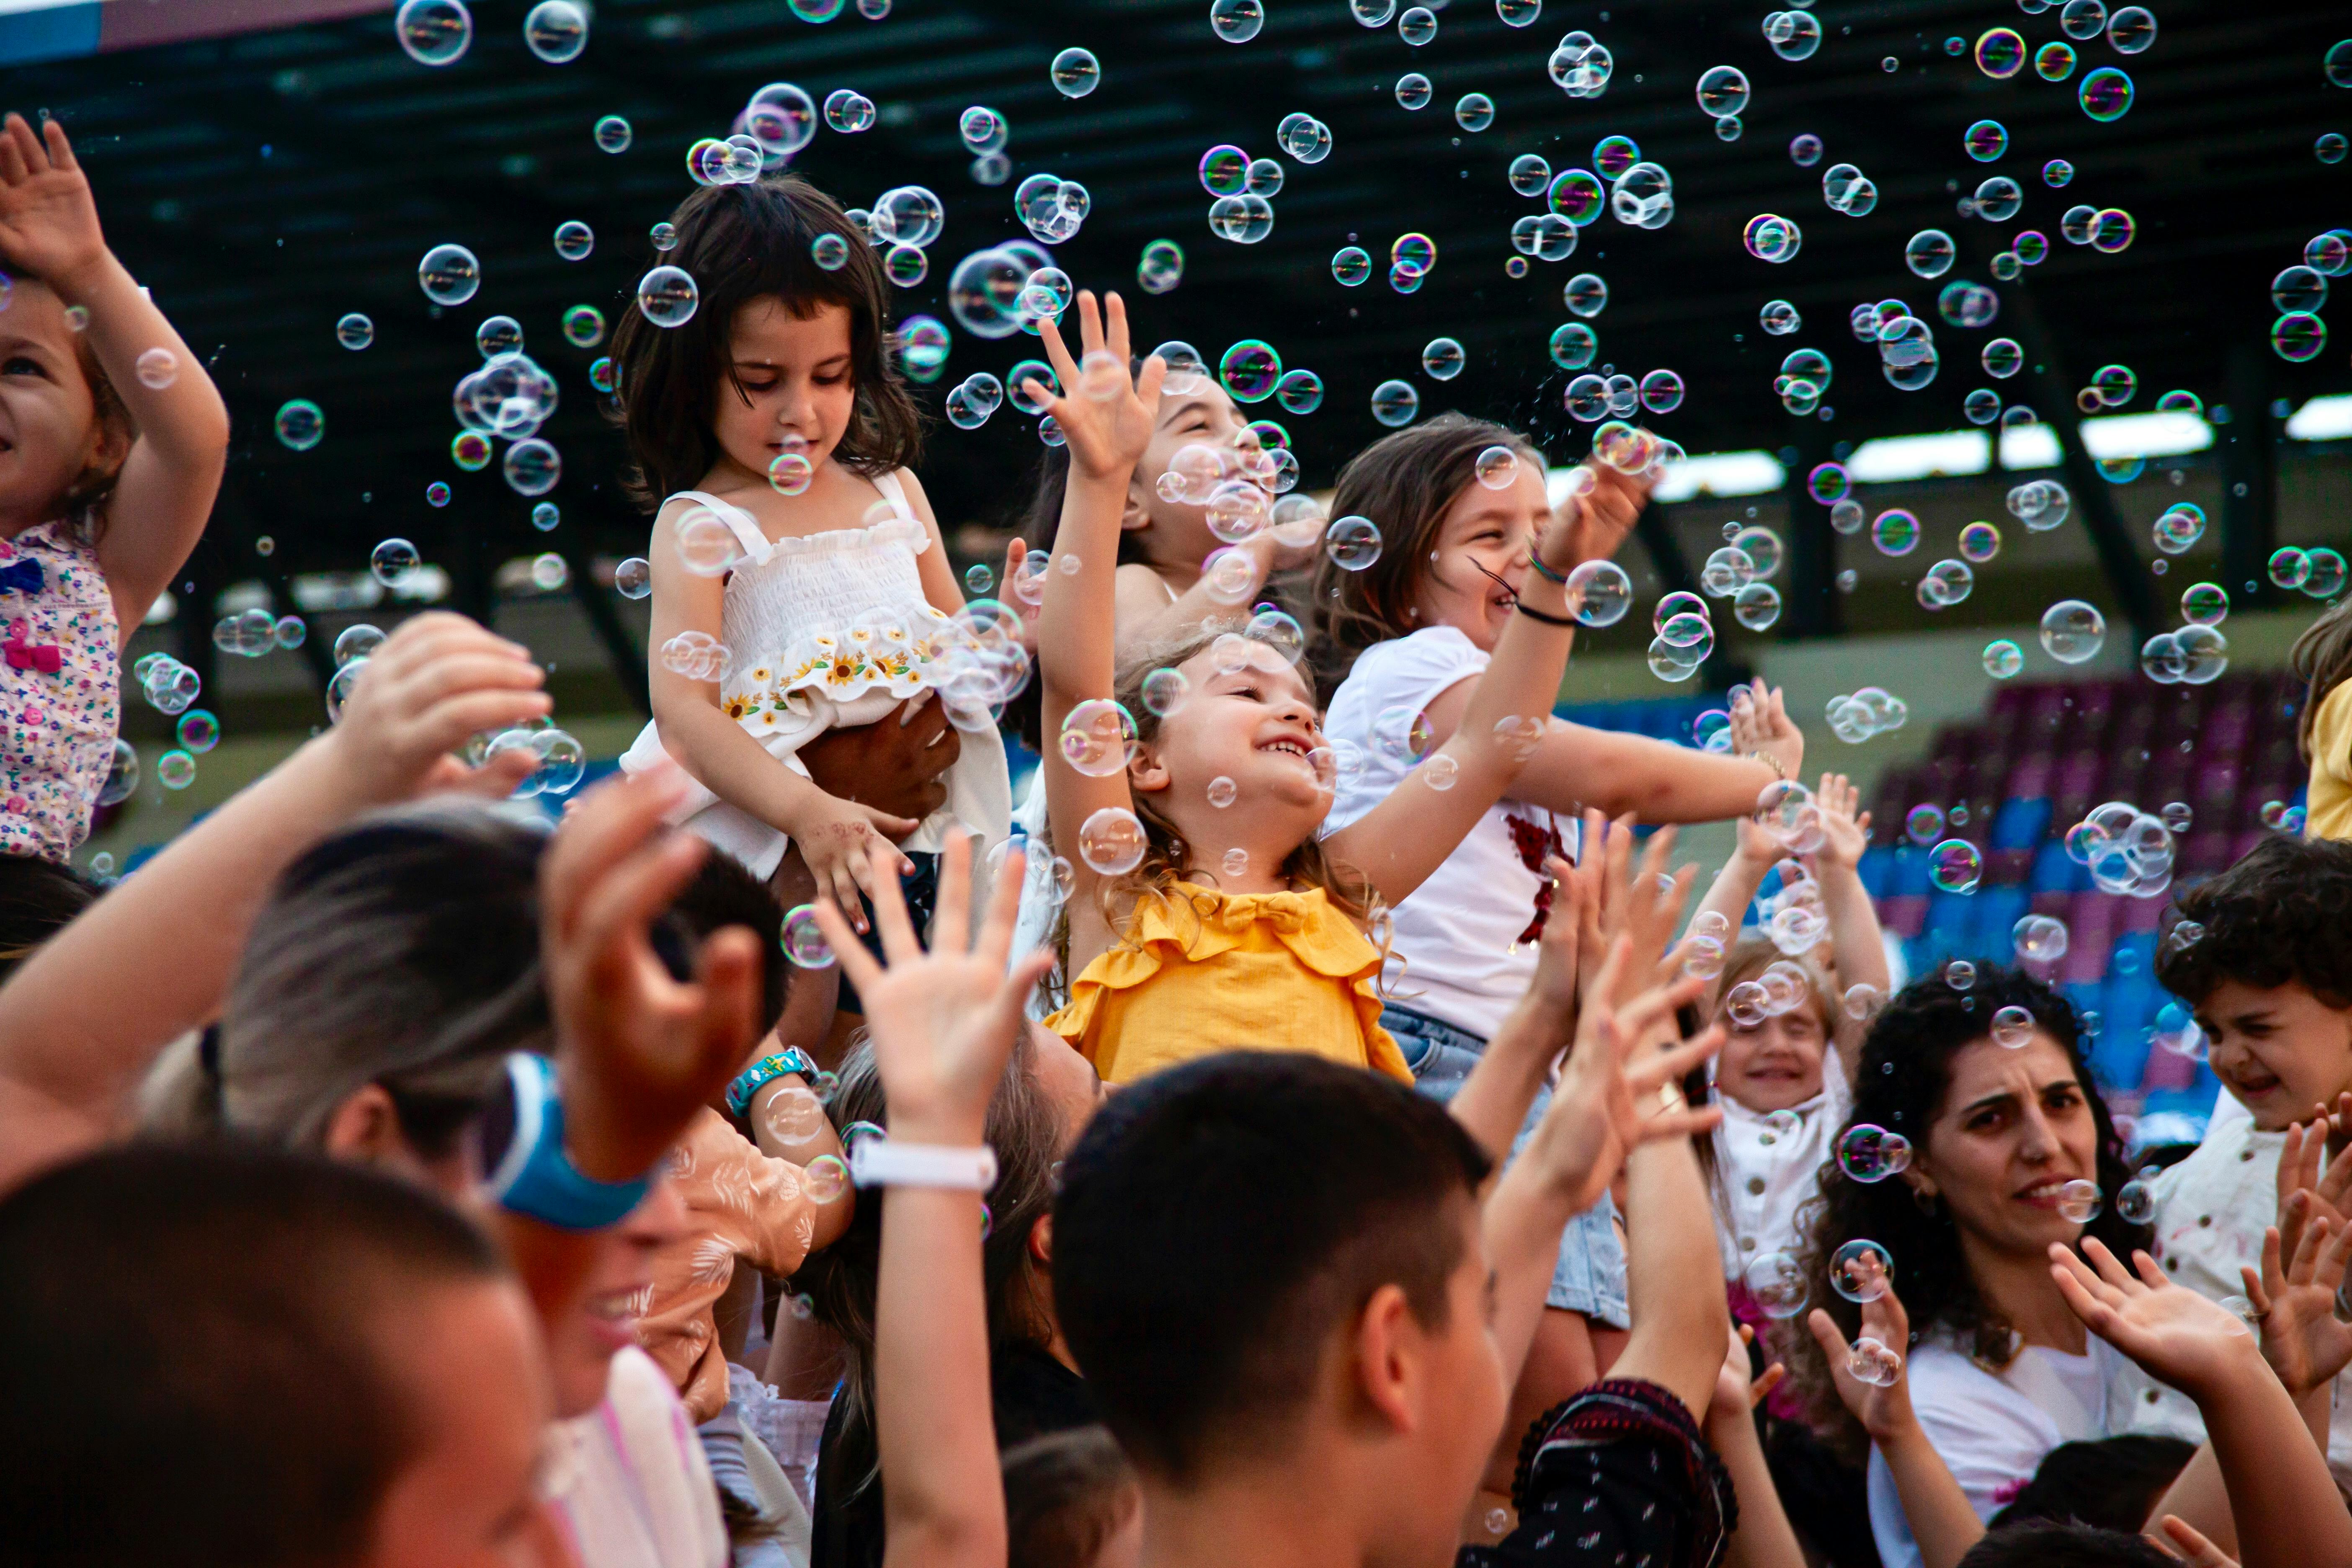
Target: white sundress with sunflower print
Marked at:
825, 630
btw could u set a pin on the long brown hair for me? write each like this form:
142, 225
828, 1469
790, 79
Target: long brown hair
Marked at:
1167, 857
83, 504
2322, 659
1404, 483
742, 243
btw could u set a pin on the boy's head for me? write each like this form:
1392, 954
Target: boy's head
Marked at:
2271, 974
1265, 1257
236, 1358
2056, 1543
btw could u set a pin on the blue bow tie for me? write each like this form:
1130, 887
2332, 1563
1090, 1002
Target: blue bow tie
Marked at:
20, 576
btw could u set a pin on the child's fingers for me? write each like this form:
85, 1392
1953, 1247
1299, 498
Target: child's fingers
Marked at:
898, 941
1003, 912
1090, 324
1114, 336
60, 150
951, 910
1148, 385
12, 156
2202, 1552
611, 820
847, 951
1057, 353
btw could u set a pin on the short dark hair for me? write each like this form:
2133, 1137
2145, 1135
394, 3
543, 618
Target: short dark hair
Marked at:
2284, 912
1218, 1221
722, 893
2059, 1544
185, 1337
38, 900
1066, 1494
740, 242
2111, 1482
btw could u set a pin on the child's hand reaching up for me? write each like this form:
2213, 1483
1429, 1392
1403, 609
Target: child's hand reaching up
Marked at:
1760, 726
2294, 1298
942, 1022
1590, 526
1844, 836
49, 224
1104, 416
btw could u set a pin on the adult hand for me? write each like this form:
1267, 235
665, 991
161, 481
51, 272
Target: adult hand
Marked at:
895, 764
1105, 417
2174, 1333
437, 680
1884, 1411
942, 1022
48, 223
638, 1053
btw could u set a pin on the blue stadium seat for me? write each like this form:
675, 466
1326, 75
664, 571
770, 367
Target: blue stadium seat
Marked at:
2020, 824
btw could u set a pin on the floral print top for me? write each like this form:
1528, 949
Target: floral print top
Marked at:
61, 690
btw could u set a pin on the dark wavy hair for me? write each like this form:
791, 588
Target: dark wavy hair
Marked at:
1906, 1071
740, 242
1404, 483
2282, 913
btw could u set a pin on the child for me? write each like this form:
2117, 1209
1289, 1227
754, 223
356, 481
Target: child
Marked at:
2269, 971
111, 444
1206, 904
1784, 1098
2322, 656
773, 435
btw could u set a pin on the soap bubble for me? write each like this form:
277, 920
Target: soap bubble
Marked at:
1862, 1001
1112, 841
1871, 1154
1862, 1270
1075, 73
1955, 866
434, 32
667, 296
1929, 253
1602, 593
2106, 94
2002, 659
1442, 359
1868, 1361
1529, 174
1402, 733
1395, 404
804, 943
556, 31
1777, 1282
2040, 939
2079, 1202
1413, 90
2072, 631
1099, 738
301, 425
121, 775
1352, 542
1778, 318
2012, 1027
450, 274
395, 562
1498, 467
1924, 823
175, 770
1474, 111
634, 577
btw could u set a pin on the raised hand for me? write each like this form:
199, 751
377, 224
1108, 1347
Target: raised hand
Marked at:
2296, 1301
2305, 1167
1591, 523
1104, 416
942, 1022
437, 680
1736, 1391
1844, 836
639, 1052
1760, 725
2182, 1541
49, 224
1883, 1411
2174, 1333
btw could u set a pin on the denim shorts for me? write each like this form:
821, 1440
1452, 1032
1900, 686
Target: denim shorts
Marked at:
1590, 1274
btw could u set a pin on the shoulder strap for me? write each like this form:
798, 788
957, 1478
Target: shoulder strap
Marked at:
894, 493
745, 526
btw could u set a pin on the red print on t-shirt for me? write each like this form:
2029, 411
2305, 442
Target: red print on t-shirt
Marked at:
1534, 843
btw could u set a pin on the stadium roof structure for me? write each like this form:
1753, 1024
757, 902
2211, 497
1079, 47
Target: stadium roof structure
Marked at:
265, 168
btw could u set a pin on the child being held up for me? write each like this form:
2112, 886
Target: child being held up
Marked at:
2263, 953
111, 444
1189, 788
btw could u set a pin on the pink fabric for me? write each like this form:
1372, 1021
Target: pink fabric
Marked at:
60, 691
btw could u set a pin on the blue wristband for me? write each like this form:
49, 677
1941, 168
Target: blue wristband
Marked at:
536, 1179
762, 1073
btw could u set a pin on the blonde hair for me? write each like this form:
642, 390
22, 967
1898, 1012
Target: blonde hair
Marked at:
1748, 959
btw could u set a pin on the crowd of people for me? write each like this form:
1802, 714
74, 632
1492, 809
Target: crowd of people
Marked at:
1312, 1126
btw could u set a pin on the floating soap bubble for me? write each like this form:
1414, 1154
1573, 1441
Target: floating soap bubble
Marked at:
2079, 1202
1075, 73
1924, 823
2040, 504
1777, 1283
301, 425
1413, 90
2072, 631
1353, 544
1722, 90
2053, 61
2040, 939
633, 578
1870, 1153
1099, 738
1999, 53
2012, 1027
434, 32
1929, 253
1770, 237
1395, 404
2002, 659
1955, 866
1474, 111
667, 296
1778, 318
1442, 359
395, 562
1112, 841
1868, 1361
1794, 35
1530, 175
1602, 591
556, 31
2106, 94
1896, 531
2135, 1203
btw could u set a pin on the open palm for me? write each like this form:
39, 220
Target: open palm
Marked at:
2175, 1334
49, 224
1104, 416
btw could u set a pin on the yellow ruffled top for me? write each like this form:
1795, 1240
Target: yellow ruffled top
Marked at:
1201, 971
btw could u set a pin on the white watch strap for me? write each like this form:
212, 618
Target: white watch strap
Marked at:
884, 1162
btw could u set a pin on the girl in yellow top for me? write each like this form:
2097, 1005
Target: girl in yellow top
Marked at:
1208, 914
2322, 657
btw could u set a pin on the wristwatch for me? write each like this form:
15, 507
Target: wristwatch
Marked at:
534, 1177
762, 1073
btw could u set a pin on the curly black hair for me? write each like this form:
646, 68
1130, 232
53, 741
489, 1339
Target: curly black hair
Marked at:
2282, 913
1904, 1071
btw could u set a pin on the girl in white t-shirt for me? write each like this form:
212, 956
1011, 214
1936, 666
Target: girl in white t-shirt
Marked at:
2009, 1151
1811, 980
1459, 503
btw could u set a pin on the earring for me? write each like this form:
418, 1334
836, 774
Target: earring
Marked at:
1925, 1201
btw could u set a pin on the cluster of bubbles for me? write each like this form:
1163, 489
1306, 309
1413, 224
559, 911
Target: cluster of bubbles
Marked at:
2318, 571
170, 687
255, 632
1007, 288
1868, 712
559, 760
2300, 291
1684, 637
696, 655
2128, 851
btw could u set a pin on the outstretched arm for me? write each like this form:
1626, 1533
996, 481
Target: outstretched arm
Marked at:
76, 1037
1410, 833
1856, 947
1765, 1538
1943, 1522
943, 1025
48, 228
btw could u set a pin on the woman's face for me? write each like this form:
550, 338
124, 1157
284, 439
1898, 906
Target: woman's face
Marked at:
1485, 535
1176, 533
1777, 1064
2015, 1127
795, 385
602, 1321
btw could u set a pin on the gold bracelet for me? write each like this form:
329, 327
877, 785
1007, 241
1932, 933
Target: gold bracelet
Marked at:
1770, 762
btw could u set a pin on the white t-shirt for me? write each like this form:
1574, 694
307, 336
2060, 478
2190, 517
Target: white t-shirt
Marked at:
1993, 1429
629, 1480
1464, 945
1765, 1173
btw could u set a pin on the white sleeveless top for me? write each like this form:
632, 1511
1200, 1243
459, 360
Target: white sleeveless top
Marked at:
825, 630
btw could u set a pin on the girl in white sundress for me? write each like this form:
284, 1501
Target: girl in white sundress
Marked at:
799, 579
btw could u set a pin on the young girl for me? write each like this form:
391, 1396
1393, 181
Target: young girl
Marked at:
772, 433
2322, 657
1206, 911
1784, 1100
111, 444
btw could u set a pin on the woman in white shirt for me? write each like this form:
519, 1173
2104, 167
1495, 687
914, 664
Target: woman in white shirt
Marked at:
2011, 1150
